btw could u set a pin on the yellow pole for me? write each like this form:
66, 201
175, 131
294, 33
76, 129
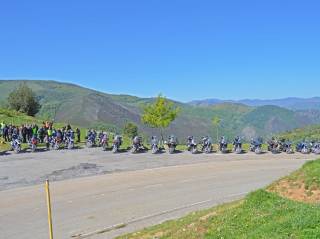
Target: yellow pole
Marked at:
49, 210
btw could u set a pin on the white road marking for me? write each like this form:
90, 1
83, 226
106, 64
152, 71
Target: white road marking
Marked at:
121, 225
154, 185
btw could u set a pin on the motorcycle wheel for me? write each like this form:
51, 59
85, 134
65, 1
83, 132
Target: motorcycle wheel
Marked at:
171, 150
134, 150
17, 149
56, 146
238, 150
89, 144
114, 149
70, 146
258, 151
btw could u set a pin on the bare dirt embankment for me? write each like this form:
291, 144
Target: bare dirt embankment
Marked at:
303, 185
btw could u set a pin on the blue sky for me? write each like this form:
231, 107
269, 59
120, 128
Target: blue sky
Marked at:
183, 49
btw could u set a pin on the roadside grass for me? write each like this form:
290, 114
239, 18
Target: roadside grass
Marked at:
309, 174
261, 214
302, 185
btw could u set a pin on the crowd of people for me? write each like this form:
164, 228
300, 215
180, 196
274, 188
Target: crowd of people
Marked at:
27, 131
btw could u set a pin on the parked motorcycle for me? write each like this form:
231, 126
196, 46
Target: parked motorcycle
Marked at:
287, 147
104, 141
206, 145
315, 148
274, 146
237, 145
137, 144
69, 139
191, 145
256, 145
223, 145
154, 145
303, 148
172, 143
33, 143
91, 140
16, 144
117, 142
55, 143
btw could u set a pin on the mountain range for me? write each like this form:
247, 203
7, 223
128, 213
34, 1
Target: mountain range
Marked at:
292, 103
74, 104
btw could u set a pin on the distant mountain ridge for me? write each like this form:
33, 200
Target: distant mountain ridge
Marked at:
74, 104
292, 103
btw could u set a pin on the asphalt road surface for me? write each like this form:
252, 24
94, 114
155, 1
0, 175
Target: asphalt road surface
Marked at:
97, 194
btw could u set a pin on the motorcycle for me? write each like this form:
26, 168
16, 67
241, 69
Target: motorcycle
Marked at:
223, 145
55, 143
316, 148
287, 147
91, 140
303, 148
104, 141
191, 145
237, 145
70, 142
172, 144
274, 146
206, 145
154, 145
16, 144
137, 144
117, 141
256, 146
33, 143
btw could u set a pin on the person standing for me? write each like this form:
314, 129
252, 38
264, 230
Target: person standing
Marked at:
23, 131
78, 133
5, 133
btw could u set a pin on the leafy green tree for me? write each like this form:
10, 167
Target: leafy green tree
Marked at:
160, 114
23, 99
130, 130
216, 122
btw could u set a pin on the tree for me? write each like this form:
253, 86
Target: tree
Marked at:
23, 99
160, 114
216, 122
130, 129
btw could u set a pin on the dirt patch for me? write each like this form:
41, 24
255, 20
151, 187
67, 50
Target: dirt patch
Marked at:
206, 217
296, 190
83, 169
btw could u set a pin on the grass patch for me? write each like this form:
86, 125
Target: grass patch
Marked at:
261, 214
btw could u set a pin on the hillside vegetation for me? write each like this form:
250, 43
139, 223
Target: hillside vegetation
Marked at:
16, 118
308, 133
73, 104
266, 213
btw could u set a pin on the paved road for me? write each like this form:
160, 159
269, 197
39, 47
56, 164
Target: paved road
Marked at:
29, 169
87, 206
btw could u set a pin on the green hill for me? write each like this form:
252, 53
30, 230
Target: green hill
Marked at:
16, 118
74, 104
